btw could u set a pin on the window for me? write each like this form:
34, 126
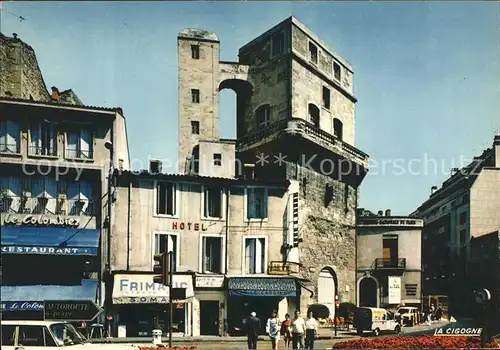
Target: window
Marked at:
313, 114
8, 335
195, 95
79, 194
79, 144
278, 42
13, 189
217, 159
166, 243
337, 71
10, 135
255, 255
45, 190
213, 202
256, 203
463, 236
411, 290
43, 139
338, 129
463, 218
326, 97
195, 52
262, 115
195, 127
313, 53
166, 198
33, 336
212, 254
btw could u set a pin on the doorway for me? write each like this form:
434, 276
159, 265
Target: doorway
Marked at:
368, 292
209, 317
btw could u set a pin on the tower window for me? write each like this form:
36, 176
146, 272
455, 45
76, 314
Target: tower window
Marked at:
314, 114
195, 127
278, 41
337, 128
337, 71
262, 115
326, 97
217, 159
195, 95
313, 53
195, 52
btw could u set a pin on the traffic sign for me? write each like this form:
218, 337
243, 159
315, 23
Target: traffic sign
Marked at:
71, 310
337, 304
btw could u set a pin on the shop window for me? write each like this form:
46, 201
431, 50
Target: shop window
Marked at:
255, 255
166, 195
212, 202
337, 71
256, 203
212, 254
195, 52
80, 144
313, 112
195, 96
43, 139
166, 243
326, 97
262, 115
195, 127
10, 135
313, 53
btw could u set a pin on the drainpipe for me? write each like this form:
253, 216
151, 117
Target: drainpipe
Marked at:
129, 222
228, 194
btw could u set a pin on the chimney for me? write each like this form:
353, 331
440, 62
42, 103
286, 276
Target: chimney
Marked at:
55, 94
433, 189
380, 213
14, 35
388, 212
496, 150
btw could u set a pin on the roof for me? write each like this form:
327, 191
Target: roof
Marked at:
58, 104
198, 34
145, 174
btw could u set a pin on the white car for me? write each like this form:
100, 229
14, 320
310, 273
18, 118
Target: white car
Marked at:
20, 335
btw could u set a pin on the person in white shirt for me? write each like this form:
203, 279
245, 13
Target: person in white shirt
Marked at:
273, 329
298, 331
311, 331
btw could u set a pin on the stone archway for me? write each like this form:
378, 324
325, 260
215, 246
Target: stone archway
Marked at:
368, 292
327, 288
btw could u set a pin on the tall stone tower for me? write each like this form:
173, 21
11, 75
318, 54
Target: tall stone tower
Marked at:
198, 55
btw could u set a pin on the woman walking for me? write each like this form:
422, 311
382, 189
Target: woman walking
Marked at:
273, 330
311, 331
285, 330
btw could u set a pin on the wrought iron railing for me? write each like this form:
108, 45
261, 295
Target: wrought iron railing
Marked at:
79, 154
389, 263
42, 151
283, 268
12, 148
53, 206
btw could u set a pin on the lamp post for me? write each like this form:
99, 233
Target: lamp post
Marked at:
109, 146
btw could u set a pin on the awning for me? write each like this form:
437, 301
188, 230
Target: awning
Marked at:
262, 286
30, 298
49, 240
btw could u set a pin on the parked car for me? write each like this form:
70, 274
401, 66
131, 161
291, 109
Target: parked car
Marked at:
376, 320
410, 316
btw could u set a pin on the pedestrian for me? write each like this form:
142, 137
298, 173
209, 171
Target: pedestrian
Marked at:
273, 329
298, 331
252, 328
285, 330
311, 331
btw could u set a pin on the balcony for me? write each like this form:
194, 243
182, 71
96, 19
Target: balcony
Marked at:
53, 206
388, 263
79, 154
283, 268
303, 128
10, 148
42, 151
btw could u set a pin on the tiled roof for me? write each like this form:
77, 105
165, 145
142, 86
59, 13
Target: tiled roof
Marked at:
200, 179
43, 103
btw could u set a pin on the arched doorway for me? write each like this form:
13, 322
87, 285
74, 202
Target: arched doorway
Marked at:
368, 292
327, 289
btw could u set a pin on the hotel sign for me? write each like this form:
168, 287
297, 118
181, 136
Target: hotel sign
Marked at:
40, 220
190, 226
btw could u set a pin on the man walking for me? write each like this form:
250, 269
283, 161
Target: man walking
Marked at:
298, 331
273, 329
252, 328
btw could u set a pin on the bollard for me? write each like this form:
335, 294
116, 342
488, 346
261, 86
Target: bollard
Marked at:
157, 336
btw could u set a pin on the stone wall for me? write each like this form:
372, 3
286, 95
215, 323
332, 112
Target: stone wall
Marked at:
20, 76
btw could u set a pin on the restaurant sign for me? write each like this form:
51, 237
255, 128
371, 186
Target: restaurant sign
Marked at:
22, 306
40, 220
48, 250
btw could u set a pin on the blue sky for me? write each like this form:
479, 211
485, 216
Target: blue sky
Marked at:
426, 74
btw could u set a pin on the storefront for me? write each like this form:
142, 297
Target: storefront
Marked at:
140, 305
261, 295
46, 257
209, 305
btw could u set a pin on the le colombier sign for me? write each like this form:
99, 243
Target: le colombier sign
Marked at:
40, 220
71, 310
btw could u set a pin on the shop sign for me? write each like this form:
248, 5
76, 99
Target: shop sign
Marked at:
40, 220
189, 226
22, 306
394, 290
389, 222
48, 250
140, 289
209, 281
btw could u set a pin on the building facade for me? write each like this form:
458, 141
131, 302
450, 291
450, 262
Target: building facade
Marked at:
389, 253
295, 121
467, 206
226, 236
53, 173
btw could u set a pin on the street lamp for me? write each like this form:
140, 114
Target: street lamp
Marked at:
109, 146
